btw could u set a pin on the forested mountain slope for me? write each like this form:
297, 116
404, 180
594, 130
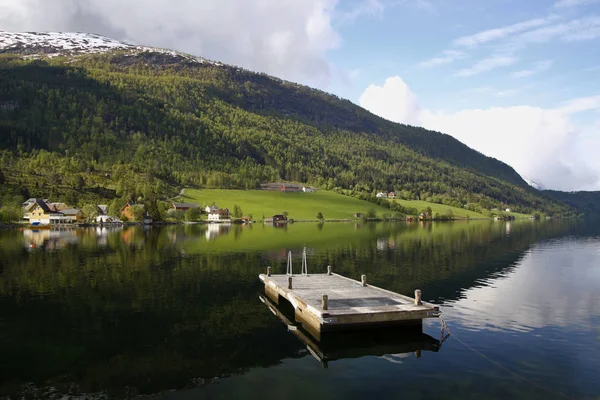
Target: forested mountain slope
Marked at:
188, 121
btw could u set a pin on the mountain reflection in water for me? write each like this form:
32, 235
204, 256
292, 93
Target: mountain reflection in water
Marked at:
130, 311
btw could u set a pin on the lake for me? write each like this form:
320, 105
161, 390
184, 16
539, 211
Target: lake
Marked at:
175, 312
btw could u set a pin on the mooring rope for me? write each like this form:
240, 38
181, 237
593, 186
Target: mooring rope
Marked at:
474, 350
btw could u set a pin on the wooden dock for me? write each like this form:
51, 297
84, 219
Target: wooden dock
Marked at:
353, 344
326, 302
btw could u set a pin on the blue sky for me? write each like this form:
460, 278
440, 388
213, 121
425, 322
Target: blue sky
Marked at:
535, 63
398, 38
517, 80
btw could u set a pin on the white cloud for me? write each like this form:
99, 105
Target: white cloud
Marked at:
587, 28
448, 57
574, 3
393, 101
503, 32
536, 68
542, 144
488, 64
365, 7
287, 38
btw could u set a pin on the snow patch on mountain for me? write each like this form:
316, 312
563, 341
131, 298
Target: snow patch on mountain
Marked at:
534, 184
52, 44
83, 42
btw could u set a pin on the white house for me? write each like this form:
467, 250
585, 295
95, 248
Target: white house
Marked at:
381, 194
210, 209
307, 189
107, 219
218, 215
507, 210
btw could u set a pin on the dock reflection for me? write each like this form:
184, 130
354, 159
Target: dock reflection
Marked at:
398, 342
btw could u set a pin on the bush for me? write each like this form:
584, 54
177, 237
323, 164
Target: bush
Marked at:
193, 214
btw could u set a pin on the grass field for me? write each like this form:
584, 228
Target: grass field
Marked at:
300, 206
306, 206
443, 209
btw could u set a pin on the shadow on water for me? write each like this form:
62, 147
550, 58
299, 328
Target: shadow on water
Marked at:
141, 311
333, 346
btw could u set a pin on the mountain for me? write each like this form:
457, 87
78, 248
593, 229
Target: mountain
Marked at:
76, 104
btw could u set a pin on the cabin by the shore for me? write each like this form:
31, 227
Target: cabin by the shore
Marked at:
209, 209
39, 212
184, 206
219, 215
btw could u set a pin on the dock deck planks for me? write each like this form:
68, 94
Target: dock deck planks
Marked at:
349, 303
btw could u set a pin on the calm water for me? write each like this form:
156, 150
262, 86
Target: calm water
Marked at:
175, 313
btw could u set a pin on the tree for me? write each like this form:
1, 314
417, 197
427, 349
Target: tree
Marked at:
285, 214
320, 216
371, 214
2, 178
115, 207
138, 213
11, 213
90, 211
192, 214
237, 211
78, 182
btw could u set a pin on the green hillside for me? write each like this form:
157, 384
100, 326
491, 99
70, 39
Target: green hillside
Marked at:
299, 206
131, 125
305, 206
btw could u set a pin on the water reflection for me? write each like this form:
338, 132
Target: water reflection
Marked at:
552, 284
139, 311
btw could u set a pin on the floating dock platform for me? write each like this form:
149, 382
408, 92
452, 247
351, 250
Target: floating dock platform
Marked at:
391, 343
329, 302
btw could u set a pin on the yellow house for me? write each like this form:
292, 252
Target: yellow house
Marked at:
38, 213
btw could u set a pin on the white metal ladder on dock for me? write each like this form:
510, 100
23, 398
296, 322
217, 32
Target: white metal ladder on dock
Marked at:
289, 270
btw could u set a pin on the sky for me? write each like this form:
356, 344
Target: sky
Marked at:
516, 80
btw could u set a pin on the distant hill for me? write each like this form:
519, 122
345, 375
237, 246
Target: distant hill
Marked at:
130, 111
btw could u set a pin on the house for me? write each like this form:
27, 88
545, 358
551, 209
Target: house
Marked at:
279, 218
307, 189
209, 209
58, 206
72, 216
381, 194
32, 200
424, 216
219, 215
289, 187
127, 211
106, 219
38, 213
391, 195
147, 219
357, 215
184, 206
102, 209
507, 210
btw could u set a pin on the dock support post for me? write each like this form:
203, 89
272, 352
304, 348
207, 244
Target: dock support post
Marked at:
363, 278
268, 271
418, 297
324, 300
289, 282
329, 270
